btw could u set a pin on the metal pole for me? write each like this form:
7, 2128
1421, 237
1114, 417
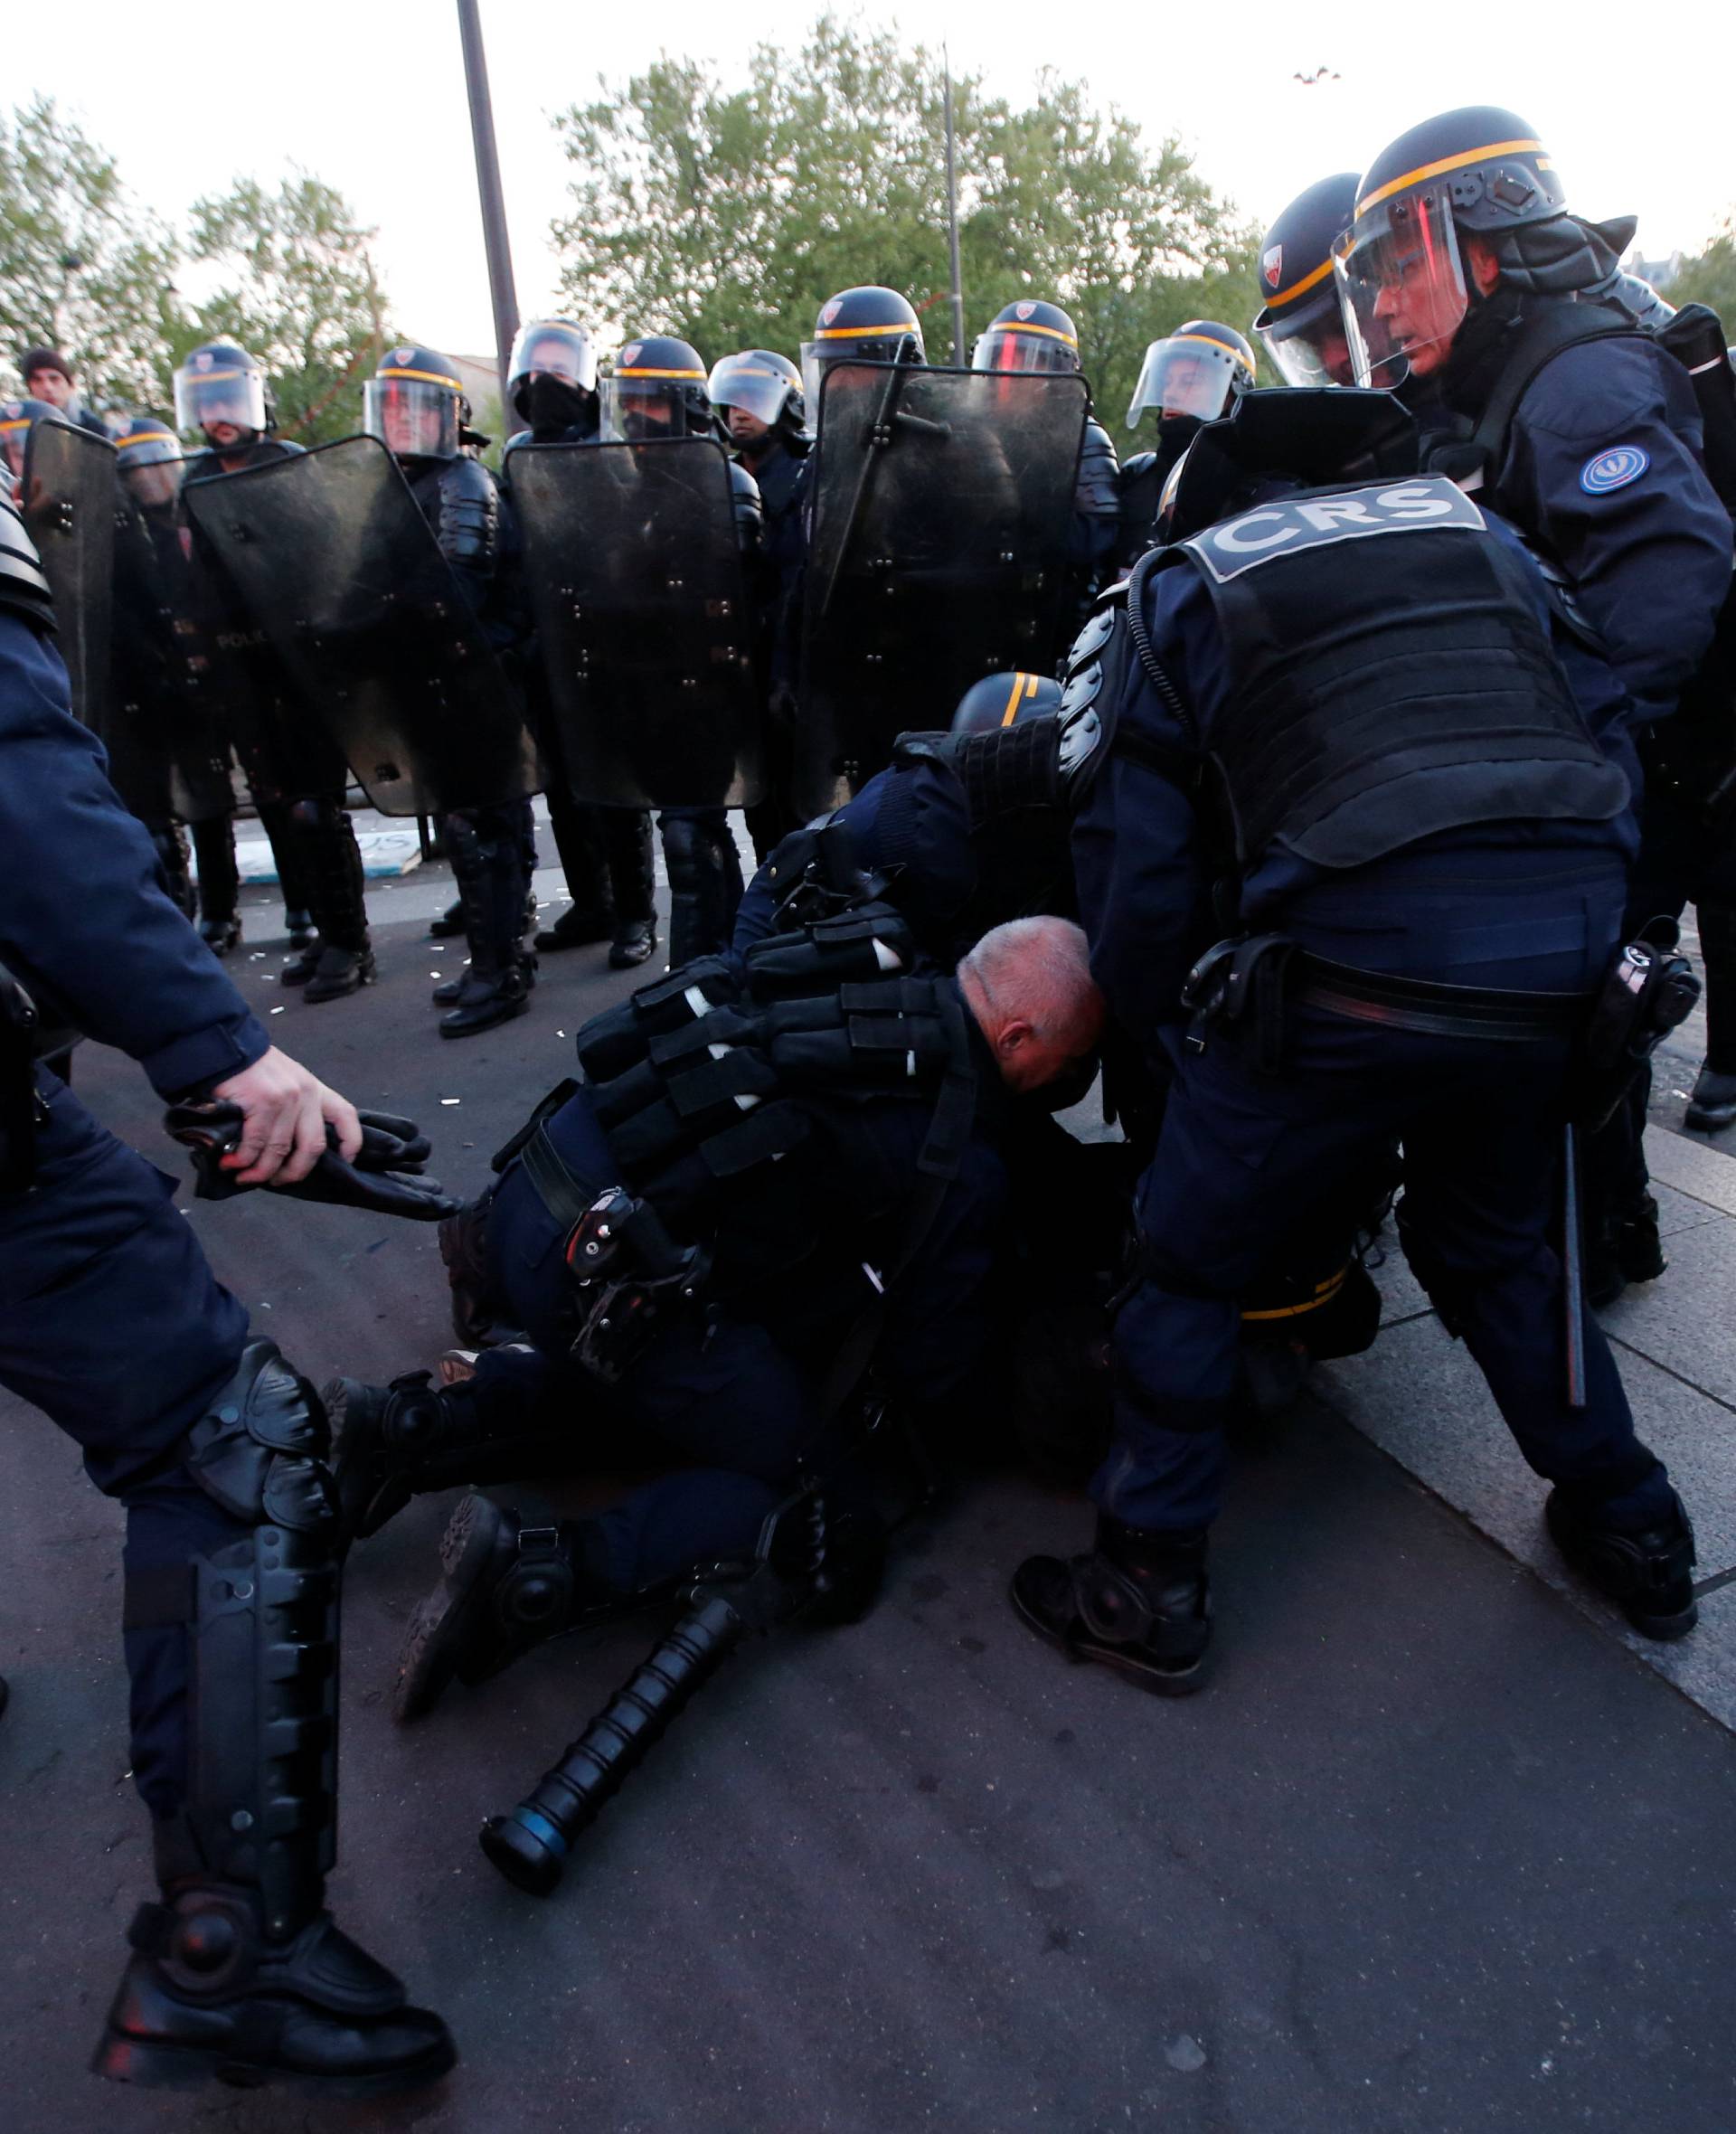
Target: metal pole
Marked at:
952, 225
493, 210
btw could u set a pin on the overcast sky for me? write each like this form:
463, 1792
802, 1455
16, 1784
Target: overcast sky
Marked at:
372, 100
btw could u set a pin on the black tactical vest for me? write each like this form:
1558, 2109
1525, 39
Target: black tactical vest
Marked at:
1389, 677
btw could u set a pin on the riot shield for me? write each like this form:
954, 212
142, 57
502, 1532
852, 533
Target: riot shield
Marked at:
69, 506
636, 581
941, 519
168, 745
332, 558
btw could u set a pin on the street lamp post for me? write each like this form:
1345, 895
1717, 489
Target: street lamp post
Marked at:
494, 210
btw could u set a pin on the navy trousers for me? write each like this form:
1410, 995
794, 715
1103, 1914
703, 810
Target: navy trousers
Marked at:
112, 1323
1243, 1155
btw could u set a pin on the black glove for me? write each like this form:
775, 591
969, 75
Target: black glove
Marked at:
385, 1176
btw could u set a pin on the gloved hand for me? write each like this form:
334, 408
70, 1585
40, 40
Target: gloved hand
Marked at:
385, 1176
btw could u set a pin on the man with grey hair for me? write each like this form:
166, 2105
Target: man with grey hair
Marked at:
774, 1161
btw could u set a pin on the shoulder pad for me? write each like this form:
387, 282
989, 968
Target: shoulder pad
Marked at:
1137, 464
922, 747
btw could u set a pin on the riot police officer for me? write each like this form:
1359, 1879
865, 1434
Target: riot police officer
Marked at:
416, 406
1469, 288
221, 391
748, 1251
112, 1323
1376, 983
1301, 324
868, 325
1031, 335
1187, 379
761, 416
606, 852
657, 390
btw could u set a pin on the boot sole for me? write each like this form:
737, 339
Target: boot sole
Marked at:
1163, 1682
155, 2067
429, 1660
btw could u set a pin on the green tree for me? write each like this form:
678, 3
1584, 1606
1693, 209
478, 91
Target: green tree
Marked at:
729, 215
1710, 277
83, 265
299, 292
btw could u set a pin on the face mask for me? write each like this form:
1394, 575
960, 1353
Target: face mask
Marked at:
549, 402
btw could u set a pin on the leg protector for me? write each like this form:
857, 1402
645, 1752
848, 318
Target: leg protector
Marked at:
579, 840
488, 866
336, 895
704, 882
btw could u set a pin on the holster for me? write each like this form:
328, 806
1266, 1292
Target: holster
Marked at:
1649, 991
1239, 986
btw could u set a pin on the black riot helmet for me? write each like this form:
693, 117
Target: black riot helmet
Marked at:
415, 404
220, 383
1451, 205
761, 383
17, 418
1294, 438
1027, 335
552, 374
1300, 323
870, 324
1005, 700
657, 391
149, 457
1197, 372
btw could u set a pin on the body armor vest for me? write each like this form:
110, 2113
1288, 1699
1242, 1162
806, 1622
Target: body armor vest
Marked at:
1389, 677
696, 1080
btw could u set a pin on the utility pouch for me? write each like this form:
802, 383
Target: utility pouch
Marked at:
628, 1274
1649, 991
1239, 986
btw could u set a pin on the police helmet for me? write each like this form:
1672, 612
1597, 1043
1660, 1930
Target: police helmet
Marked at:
1301, 324
1199, 371
552, 373
1005, 700
761, 383
17, 418
657, 391
1400, 268
415, 404
870, 324
149, 455
220, 382
1027, 335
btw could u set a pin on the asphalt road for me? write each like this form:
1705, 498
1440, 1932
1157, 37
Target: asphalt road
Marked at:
1435, 1852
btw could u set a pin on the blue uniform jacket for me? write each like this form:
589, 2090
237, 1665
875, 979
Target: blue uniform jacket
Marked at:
1603, 468
84, 922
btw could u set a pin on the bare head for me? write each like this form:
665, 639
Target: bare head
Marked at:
1030, 987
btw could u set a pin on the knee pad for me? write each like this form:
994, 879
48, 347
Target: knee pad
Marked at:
258, 1451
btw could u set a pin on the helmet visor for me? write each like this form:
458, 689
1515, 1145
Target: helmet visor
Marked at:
551, 348
636, 409
413, 418
1024, 348
751, 384
223, 394
1401, 286
1185, 375
1311, 348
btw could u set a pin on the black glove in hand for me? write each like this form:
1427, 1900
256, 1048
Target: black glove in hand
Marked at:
385, 1177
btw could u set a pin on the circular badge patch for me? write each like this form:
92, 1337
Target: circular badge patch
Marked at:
1613, 470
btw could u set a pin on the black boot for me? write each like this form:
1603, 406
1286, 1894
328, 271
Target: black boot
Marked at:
239, 1972
219, 884
336, 892
1139, 1603
488, 865
504, 1587
393, 1442
1649, 1574
579, 841
298, 925
704, 882
632, 882
578, 927
1713, 1104
449, 923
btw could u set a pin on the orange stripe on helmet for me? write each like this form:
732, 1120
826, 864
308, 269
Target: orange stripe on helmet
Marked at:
1435, 170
